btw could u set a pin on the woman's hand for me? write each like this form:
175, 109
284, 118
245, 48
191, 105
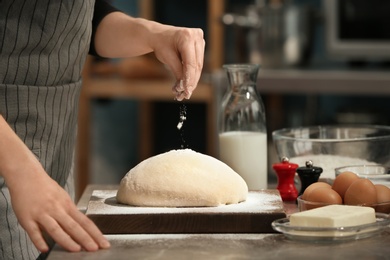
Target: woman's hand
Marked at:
182, 50
40, 204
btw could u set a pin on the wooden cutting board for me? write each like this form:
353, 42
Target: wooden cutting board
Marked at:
255, 215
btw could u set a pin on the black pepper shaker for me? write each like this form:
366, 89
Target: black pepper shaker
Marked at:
308, 174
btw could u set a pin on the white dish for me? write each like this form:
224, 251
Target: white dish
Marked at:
318, 234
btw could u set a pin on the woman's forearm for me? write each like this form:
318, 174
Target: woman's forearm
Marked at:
15, 157
119, 35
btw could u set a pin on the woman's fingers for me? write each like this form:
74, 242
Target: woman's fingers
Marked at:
72, 232
182, 50
90, 228
191, 49
35, 234
57, 232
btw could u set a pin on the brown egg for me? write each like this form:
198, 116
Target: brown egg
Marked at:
313, 186
323, 195
360, 192
343, 181
382, 195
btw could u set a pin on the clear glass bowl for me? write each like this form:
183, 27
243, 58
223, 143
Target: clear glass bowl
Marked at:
303, 205
330, 147
378, 174
323, 234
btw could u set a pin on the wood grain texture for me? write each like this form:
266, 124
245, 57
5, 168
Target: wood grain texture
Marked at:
253, 216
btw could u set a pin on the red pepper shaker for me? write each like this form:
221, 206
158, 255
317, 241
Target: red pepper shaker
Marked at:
286, 173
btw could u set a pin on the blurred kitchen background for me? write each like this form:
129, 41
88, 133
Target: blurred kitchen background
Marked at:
322, 62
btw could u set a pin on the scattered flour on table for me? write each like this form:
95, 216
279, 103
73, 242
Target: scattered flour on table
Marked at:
152, 239
328, 163
104, 202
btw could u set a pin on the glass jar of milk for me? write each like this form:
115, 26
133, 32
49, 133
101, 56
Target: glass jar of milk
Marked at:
242, 131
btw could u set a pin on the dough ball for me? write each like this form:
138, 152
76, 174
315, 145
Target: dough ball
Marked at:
181, 178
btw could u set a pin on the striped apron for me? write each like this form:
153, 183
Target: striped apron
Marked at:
43, 46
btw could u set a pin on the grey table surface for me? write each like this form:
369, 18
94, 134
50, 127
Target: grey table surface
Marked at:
226, 246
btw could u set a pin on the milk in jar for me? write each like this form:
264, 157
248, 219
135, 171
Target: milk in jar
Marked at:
246, 153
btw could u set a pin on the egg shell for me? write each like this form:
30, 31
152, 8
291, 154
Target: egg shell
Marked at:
382, 196
323, 195
360, 192
342, 182
313, 186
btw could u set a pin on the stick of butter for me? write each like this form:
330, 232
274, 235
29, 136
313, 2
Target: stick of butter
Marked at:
334, 216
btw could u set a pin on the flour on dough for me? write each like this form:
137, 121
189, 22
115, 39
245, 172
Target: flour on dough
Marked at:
181, 178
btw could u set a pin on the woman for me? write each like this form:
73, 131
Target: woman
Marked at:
43, 46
